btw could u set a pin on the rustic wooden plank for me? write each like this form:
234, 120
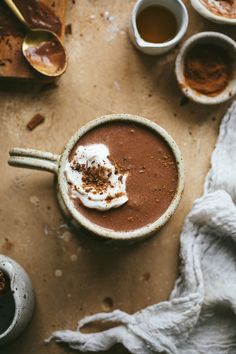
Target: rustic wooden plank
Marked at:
12, 61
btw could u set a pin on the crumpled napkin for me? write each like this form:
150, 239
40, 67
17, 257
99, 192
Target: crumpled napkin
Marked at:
200, 316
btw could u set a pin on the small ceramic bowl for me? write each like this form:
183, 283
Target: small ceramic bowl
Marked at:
179, 11
224, 42
23, 295
54, 163
202, 9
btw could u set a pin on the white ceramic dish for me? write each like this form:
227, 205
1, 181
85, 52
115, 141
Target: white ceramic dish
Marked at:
180, 12
23, 296
220, 40
205, 12
56, 164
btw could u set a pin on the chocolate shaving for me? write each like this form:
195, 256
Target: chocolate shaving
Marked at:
36, 120
94, 178
68, 29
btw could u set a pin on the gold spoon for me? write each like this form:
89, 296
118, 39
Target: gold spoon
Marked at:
42, 48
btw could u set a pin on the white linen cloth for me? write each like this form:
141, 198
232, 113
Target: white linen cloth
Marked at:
200, 316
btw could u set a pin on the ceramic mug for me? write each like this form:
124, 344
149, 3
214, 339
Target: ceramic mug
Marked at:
23, 296
56, 164
180, 12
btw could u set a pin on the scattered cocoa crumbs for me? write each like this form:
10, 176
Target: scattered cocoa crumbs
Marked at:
146, 276
2, 282
93, 178
36, 120
68, 29
119, 168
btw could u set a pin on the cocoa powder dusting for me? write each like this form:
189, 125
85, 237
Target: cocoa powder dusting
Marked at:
207, 69
94, 178
225, 8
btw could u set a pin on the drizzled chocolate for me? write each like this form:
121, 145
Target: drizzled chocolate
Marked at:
152, 174
8, 23
36, 13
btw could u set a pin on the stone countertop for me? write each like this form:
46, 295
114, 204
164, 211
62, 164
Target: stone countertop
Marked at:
73, 274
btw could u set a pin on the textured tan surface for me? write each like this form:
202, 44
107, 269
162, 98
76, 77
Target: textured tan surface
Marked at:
105, 75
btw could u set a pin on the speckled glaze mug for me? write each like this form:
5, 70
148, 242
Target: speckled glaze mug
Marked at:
47, 161
23, 295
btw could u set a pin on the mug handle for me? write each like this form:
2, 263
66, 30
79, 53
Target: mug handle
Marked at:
34, 159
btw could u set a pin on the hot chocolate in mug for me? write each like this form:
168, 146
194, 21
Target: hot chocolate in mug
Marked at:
147, 187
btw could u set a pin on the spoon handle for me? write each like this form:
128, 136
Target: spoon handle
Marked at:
16, 11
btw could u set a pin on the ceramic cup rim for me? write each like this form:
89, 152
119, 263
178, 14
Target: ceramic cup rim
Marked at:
205, 12
9, 267
8, 272
195, 96
99, 230
182, 30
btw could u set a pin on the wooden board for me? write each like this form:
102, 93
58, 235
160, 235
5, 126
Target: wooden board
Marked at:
12, 61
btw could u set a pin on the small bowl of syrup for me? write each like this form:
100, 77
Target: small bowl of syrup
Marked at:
157, 26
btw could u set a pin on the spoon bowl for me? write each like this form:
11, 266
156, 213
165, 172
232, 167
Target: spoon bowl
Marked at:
42, 48
44, 52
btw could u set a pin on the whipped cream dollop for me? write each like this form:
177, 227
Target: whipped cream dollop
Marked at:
95, 179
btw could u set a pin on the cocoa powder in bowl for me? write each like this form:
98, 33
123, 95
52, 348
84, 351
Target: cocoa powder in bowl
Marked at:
224, 8
207, 69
